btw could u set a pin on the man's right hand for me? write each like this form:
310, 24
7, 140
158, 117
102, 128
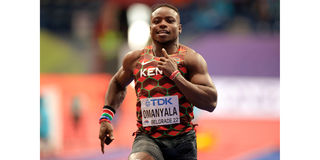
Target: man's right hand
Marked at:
105, 134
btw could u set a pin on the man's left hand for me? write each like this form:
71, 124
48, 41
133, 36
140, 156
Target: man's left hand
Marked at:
167, 64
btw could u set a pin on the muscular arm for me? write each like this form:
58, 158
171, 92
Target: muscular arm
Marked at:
116, 93
200, 90
117, 88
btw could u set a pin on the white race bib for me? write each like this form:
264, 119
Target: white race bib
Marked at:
160, 111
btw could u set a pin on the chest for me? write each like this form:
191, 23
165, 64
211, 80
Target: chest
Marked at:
147, 66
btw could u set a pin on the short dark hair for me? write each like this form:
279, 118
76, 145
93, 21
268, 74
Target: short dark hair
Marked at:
156, 6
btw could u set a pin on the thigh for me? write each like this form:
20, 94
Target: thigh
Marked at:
187, 148
144, 144
182, 148
140, 156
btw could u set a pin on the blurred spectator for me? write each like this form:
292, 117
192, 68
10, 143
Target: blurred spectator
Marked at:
76, 112
96, 30
44, 129
212, 15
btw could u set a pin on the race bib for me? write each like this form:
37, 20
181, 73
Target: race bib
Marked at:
160, 111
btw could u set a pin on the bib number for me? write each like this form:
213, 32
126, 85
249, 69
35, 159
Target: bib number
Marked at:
160, 111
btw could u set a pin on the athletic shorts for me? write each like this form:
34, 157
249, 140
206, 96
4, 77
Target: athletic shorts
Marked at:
182, 147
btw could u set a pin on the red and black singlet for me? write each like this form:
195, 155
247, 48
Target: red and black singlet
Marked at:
151, 82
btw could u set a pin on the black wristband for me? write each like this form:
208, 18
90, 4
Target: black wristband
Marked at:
108, 107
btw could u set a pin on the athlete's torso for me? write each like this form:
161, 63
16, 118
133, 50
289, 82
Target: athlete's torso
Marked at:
154, 88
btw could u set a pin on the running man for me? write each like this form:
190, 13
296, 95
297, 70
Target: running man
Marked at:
170, 79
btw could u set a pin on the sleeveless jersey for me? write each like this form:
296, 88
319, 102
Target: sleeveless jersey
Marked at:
151, 82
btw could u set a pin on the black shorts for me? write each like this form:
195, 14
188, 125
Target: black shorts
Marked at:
182, 147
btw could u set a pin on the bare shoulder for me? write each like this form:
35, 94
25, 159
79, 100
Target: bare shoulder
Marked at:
197, 68
130, 59
193, 60
132, 56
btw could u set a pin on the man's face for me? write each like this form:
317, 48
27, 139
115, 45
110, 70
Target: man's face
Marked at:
165, 25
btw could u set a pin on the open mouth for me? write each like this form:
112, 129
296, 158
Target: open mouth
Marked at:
163, 32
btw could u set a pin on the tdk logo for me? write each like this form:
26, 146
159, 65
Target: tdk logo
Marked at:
158, 102
147, 103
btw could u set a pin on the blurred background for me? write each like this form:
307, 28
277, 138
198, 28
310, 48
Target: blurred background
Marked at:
82, 44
